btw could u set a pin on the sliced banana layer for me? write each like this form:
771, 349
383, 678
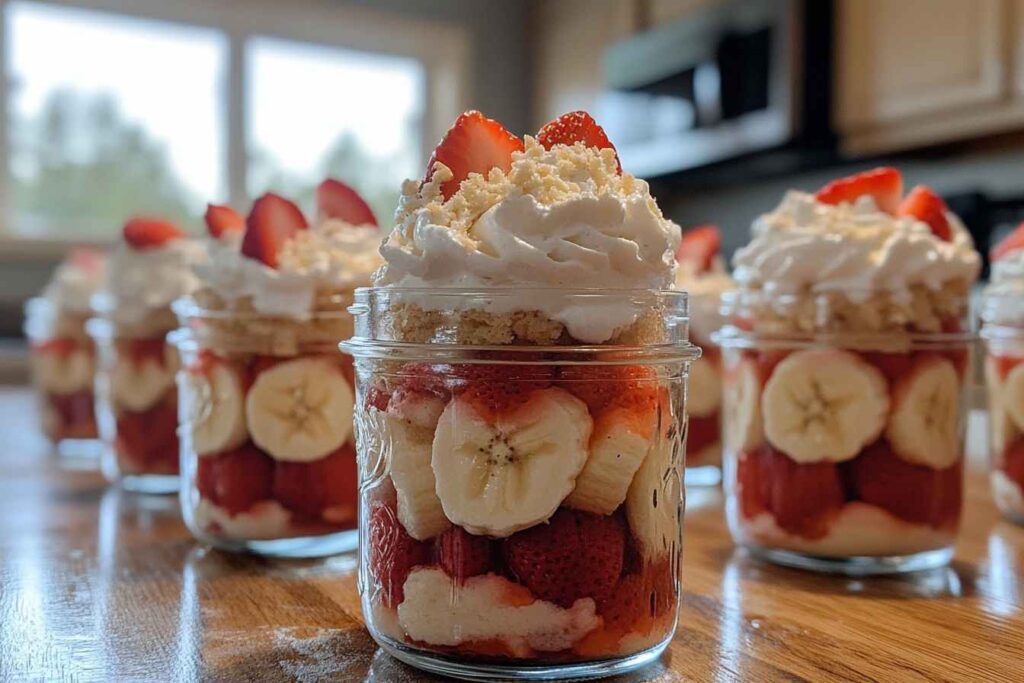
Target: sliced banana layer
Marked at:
653, 501
212, 401
824, 405
497, 477
1002, 429
62, 373
138, 385
924, 427
1013, 395
704, 391
741, 407
300, 410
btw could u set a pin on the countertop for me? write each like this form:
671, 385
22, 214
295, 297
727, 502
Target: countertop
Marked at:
96, 584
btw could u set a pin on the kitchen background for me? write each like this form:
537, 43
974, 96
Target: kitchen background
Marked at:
111, 107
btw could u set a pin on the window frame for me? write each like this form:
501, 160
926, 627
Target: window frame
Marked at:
442, 49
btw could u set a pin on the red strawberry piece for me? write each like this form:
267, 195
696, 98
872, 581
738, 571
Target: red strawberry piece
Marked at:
57, 346
494, 389
895, 366
884, 184
150, 233
308, 487
237, 479
147, 440
803, 498
576, 126
75, 415
915, 493
272, 221
699, 247
1012, 461
701, 433
335, 199
393, 552
1012, 242
222, 220
377, 397
926, 206
626, 605
575, 555
462, 554
1004, 364
86, 258
601, 387
475, 144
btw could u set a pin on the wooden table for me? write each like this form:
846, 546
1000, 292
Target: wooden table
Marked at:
101, 585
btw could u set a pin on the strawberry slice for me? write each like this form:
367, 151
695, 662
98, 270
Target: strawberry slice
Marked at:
150, 233
699, 247
272, 222
475, 144
884, 184
576, 126
237, 479
926, 206
222, 220
307, 488
335, 199
1012, 242
393, 552
462, 555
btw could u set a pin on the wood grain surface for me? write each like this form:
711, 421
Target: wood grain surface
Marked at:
101, 585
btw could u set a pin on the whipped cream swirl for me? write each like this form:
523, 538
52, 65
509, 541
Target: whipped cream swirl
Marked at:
75, 281
705, 290
1003, 300
562, 218
146, 281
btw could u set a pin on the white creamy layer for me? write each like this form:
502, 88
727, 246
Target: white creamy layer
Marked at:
705, 291
72, 285
805, 245
266, 519
1004, 296
332, 255
141, 281
560, 219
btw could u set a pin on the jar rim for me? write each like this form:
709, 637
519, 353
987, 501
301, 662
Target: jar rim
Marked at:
731, 336
584, 354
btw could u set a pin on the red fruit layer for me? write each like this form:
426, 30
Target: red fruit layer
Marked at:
914, 493
896, 366
138, 351
494, 389
147, 440
1012, 461
462, 554
701, 433
393, 552
765, 361
309, 488
74, 413
61, 347
575, 555
602, 387
237, 479
699, 247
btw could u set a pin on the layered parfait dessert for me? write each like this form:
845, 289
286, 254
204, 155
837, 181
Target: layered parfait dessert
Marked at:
1002, 314
266, 401
520, 372
61, 355
703, 275
844, 374
137, 403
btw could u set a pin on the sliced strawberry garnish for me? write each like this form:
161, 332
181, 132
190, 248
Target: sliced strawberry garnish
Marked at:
699, 247
462, 554
272, 222
393, 552
884, 184
575, 555
150, 233
335, 199
927, 207
576, 126
237, 479
475, 144
222, 220
309, 487
1012, 242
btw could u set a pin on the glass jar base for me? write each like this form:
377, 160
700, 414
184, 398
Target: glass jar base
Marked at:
703, 475
860, 565
480, 671
325, 545
149, 483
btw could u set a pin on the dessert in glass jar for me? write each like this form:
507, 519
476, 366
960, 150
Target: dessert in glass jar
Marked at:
520, 440
703, 275
845, 370
62, 358
268, 451
1002, 314
136, 398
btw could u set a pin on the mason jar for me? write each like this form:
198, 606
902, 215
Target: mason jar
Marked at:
268, 457
844, 441
1003, 332
704, 407
521, 500
62, 361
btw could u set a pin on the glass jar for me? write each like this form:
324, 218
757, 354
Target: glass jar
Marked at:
521, 502
63, 367
844, 446
268, 451
1003, 332
704, 404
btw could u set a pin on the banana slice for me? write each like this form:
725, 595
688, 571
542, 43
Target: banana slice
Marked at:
138, 384
1001, 428
741, 407
653, 501
408, 426
62, 373
212, 401
924, 427
704, 391
620, 442
1013, 395
300, 410
824, 405
498, 476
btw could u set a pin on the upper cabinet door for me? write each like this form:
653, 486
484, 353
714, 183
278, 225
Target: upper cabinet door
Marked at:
898, 59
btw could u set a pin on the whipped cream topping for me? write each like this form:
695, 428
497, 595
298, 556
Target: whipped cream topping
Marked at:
853, 248
1003, 300
74, 282
330, 256
705, 290
560, 218
142, 281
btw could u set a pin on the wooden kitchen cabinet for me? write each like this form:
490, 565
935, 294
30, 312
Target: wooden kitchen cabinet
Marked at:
920, 72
